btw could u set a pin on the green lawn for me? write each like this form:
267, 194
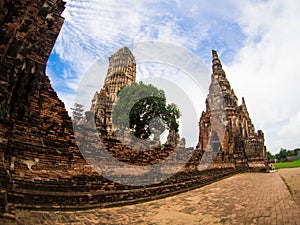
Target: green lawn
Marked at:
293, 164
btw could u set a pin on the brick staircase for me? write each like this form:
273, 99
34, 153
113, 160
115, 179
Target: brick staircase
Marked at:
80, 193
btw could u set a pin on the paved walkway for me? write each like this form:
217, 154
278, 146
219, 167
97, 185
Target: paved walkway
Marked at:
258, 198
292, 178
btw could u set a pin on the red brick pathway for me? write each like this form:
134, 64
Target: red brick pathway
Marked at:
251, 198
291, 177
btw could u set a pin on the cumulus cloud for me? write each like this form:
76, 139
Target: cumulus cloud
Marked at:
291, 131
96, 28
265, 70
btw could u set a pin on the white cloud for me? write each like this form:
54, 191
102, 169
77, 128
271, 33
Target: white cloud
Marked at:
91, 82
291, 130
96, 28
265, 70
68, 100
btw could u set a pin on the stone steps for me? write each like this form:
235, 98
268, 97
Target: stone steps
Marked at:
75, 198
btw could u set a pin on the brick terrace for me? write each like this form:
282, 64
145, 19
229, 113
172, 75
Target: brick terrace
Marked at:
250, 198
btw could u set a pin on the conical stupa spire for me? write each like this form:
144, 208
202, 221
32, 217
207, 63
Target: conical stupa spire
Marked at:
216, 63
221, 81
243, 101
243, 106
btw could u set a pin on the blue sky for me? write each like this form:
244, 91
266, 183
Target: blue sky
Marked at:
257, 41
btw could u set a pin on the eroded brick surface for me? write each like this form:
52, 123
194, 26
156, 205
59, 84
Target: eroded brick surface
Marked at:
251, 198
230, 123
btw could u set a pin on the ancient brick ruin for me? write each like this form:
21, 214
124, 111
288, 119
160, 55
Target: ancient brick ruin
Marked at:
36, 136
121, 72
240, 141
41, 166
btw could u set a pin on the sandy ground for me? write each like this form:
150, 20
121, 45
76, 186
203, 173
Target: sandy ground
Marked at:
291, 177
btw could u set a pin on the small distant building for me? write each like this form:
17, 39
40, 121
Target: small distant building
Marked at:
294, 157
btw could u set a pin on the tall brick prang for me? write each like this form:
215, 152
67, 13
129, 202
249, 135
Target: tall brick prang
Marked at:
239, 140
121, 72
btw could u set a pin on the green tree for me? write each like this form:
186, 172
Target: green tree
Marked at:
282, 154
144, 110
270, 155
77, 112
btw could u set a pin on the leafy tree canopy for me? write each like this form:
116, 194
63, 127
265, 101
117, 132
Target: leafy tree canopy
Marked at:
284, 153
143, 109
270, 155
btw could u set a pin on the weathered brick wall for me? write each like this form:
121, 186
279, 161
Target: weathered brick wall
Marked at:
28, 33
31, 112
84, 191
36, 136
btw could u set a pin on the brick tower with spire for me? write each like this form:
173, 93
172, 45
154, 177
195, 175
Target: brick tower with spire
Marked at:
238, 140
121, 72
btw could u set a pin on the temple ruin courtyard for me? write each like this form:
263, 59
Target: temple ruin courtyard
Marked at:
248, 198
49, 164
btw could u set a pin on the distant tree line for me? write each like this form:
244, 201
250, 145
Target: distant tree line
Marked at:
283, 154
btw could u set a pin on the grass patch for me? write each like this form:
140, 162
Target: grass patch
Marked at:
293, 164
